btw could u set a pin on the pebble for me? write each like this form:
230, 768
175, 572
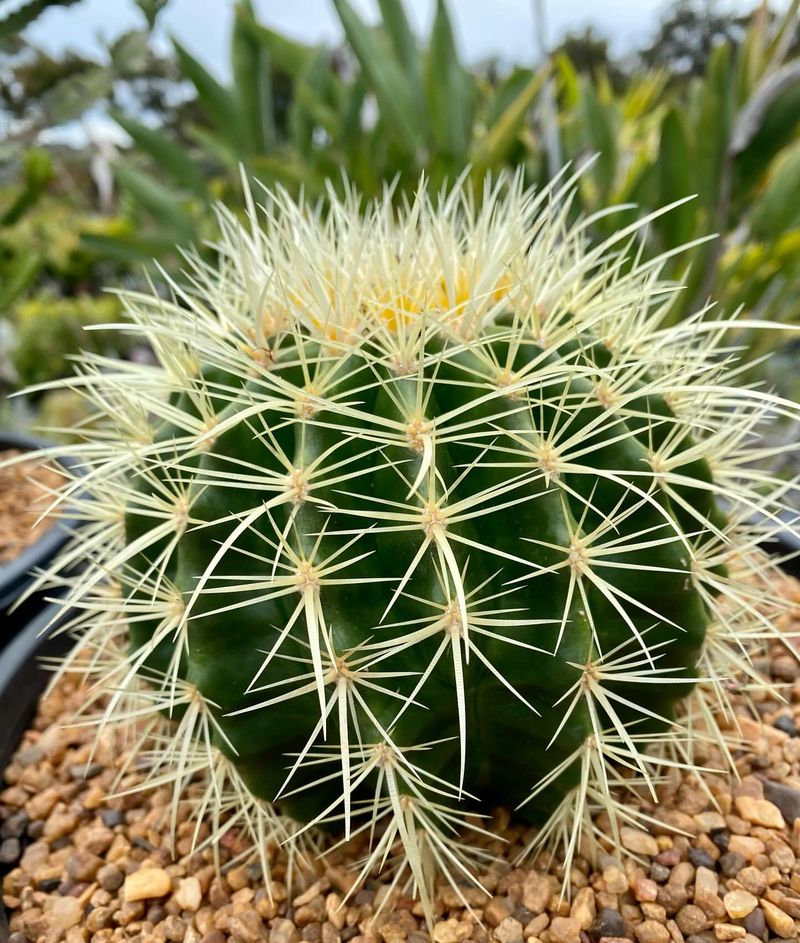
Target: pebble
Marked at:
786, 724
700, 858
739, 904
759, 812
146, 883
650, 931
110, 877
778, 921
508, 931
64, 912
706, 893
583, 909
729, 931
537, 890
9, 851
189, 894
658, 872
755, 923
753, 880
691, 919
747, 846
112, 817
731, 863
638, 842
564, 930
608, 924
786, 798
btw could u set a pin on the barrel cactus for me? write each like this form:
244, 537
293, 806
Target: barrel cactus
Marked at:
422, 511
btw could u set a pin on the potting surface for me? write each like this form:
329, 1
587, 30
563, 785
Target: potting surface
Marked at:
24, 493
84, 867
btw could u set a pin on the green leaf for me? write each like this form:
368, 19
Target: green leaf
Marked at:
38, 169
18, 275
130, 54
712, 130
385, 78
778, 210
493, 147
450, 90
398, 29
405, 46
127, 248
569, 81
220, 105
600, 136
162, 203
308, 108
76, 94
253, 83
285, 54
674, 181
21, 17
168, 154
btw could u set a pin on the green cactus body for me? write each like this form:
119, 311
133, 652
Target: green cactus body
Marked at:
420, 517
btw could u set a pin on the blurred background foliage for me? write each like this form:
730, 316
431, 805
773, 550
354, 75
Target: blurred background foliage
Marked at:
710, 107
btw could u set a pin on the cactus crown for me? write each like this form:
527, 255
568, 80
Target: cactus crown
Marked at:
421, 511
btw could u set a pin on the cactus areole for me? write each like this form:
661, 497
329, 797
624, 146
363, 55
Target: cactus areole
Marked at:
420, 514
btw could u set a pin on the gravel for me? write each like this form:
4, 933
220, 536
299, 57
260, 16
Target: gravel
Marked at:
24, 493
83, 867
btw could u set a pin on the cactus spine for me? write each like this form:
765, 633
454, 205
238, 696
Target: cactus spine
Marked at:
422, 511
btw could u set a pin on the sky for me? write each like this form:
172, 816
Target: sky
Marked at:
484, 28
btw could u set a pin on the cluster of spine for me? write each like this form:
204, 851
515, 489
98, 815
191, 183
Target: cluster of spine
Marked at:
422, 511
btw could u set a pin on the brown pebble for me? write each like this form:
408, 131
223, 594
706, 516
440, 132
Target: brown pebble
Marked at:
759, 812
146, 883
83, 865
651, 932
283, 931
564, 930
249, 927
64, 912
778, 921
691, 919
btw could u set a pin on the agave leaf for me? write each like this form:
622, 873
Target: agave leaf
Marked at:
569, 82
286, 54
778, 210
600, 135
384, 77
712, 130
751, 117
221, 106
494, 146
674, 181
450, 90
128, 248
308, 108
253, 83
157, 199
404, 44
168, 154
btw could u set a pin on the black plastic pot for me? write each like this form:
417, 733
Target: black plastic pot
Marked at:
16, 576
23, 678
